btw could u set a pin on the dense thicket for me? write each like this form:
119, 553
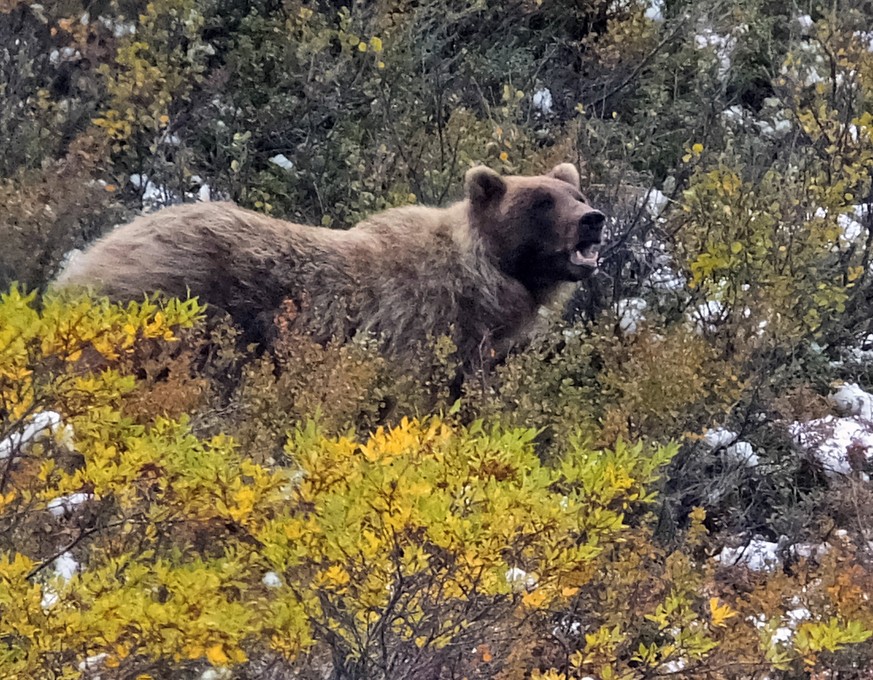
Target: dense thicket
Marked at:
671, 480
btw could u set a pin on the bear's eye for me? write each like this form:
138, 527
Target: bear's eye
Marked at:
542, 203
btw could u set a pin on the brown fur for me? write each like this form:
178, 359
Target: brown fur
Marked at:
478, 268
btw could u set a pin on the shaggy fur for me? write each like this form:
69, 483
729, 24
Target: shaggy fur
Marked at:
477, 270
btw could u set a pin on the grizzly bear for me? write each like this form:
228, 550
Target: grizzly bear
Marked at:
477, 270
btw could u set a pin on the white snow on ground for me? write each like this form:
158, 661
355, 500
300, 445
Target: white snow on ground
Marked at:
851, 225
519, 579
655, 10
92, 663
852, 229
542, 101
742, 453
706, 316
57, 57
784, 633
775, 128
719, 438
43, 425
734, 114
812, 63
851, 400
631, 314
656, 201
64, 567
866, 38
282, 161
119, 29
758, 555
829, 439
861, 352
153, 195
66, 505
666, 279
49, 597
216, 674
803, 23
271, 580
809, 551
739, 452
722, 45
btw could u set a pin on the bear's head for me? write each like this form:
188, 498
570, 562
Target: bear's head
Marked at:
541, 230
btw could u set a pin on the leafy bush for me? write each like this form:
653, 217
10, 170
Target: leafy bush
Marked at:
731, 145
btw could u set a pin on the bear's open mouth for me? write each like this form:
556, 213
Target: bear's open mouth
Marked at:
585, 255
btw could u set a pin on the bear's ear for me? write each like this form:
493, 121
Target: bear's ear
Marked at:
482, 185
566, 172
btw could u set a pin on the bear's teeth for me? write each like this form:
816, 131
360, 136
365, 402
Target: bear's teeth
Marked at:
578, 258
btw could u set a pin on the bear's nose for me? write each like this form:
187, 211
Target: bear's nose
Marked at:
592, 221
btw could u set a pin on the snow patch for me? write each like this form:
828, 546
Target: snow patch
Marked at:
759, 555
830, 439
675, 666
215, 674
154, 196
271, 580
722, 46
542, 101
66, 566
519, 579
656, 201
742, 453
43, 425
803, 23
706, 316
734, 114
852, 230
667, 280
775, 128
739, 452
120, 29
282, 161
655, 10
808, 551
66, 505
719, 438
866, 39
631, 314
50, 598
92, 663
58, 57
851, 400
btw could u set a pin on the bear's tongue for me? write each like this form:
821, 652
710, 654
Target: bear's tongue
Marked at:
587, 257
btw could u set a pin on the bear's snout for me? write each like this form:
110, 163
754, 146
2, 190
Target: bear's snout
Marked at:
591, 225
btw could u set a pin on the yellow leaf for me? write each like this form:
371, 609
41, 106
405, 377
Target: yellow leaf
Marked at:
376, 44
569, 591
216, 656
697, 149
719, 613
504, 156
534, 600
